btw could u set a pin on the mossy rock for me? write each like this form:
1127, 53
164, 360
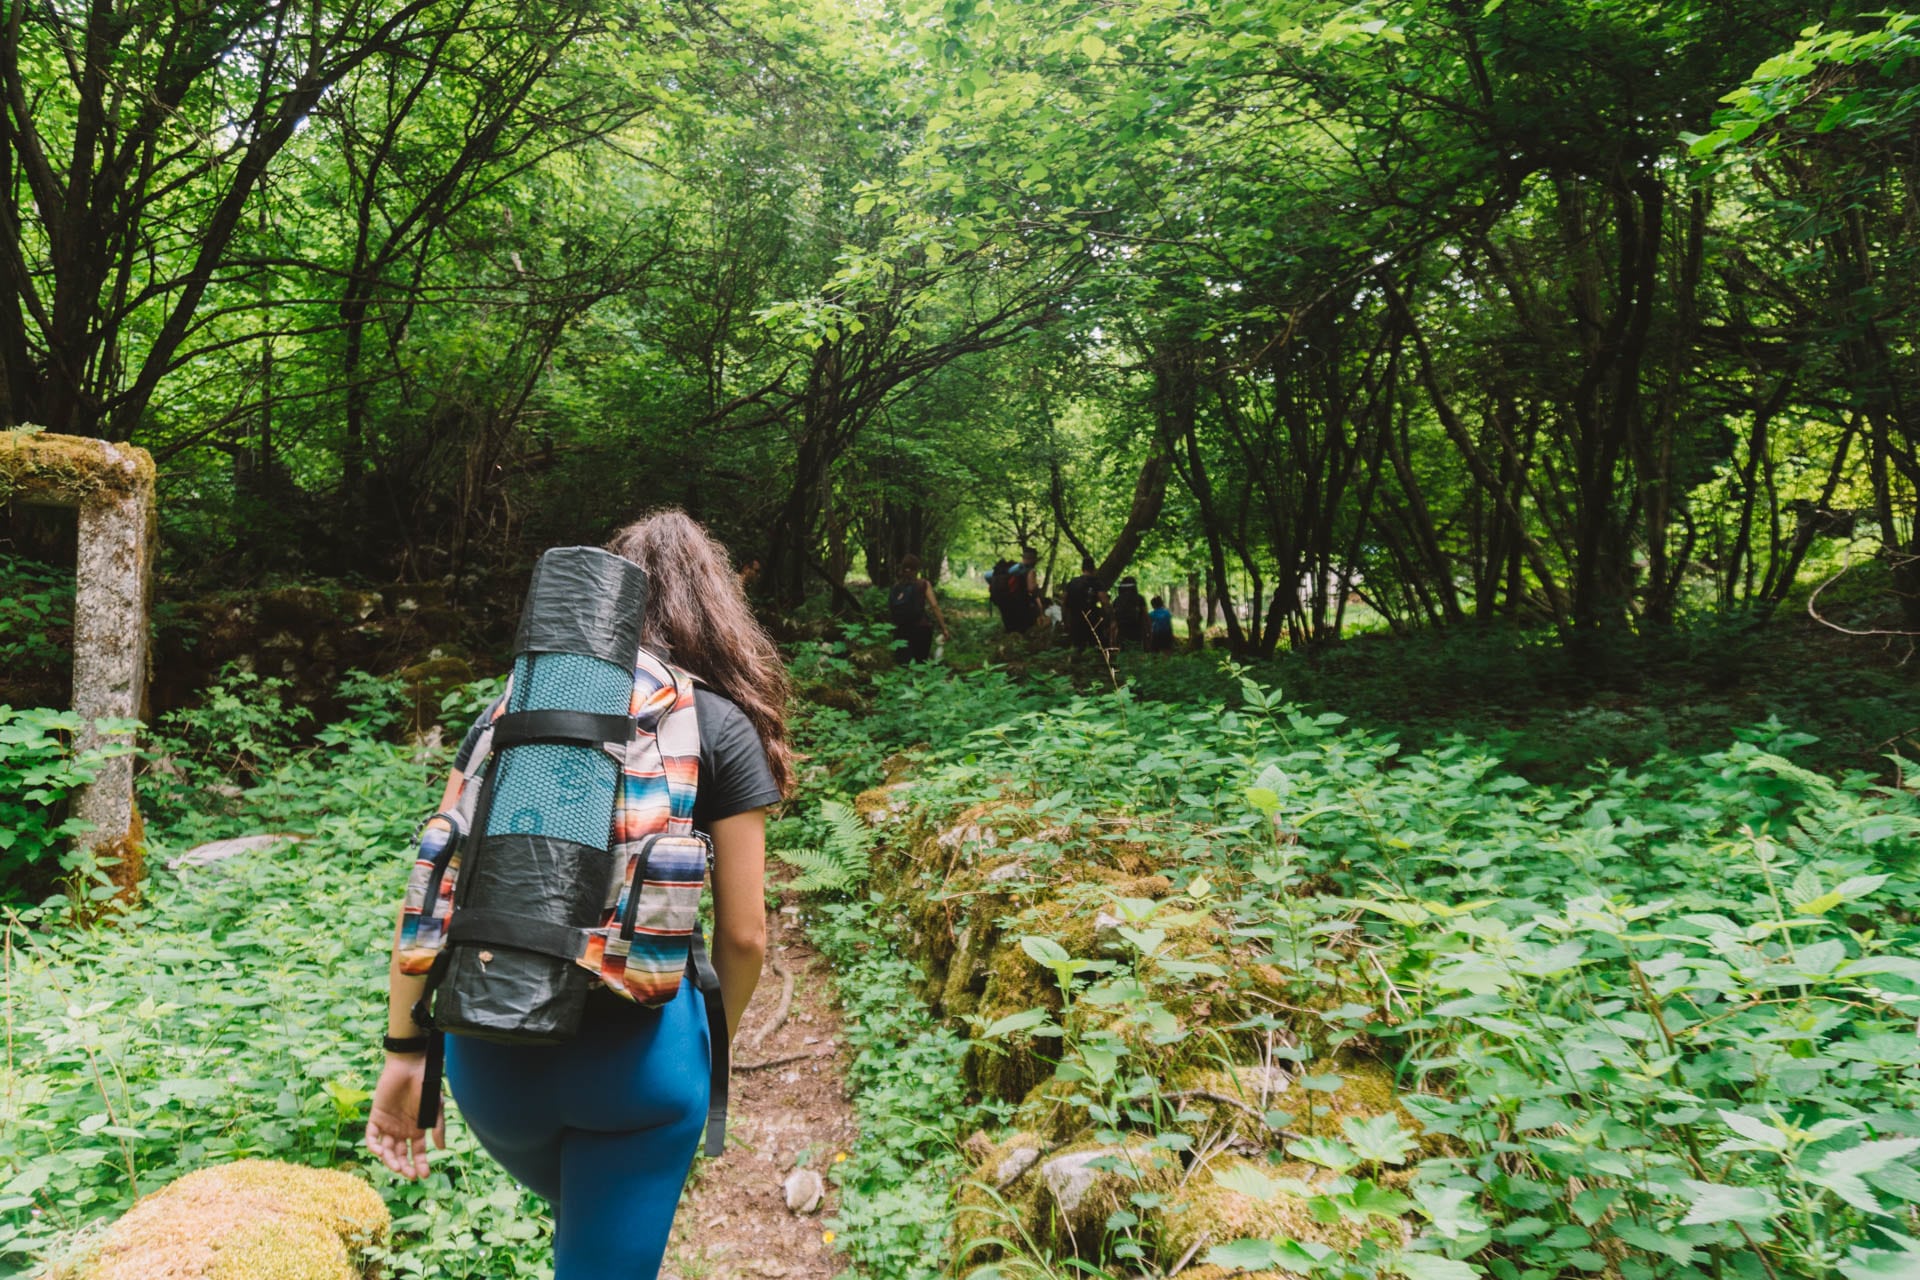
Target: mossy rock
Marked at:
1206, 1213
304, 610
1234, 1101
252, 1220
831, 695
999, 1200
1049, 1109
70, 469
1366, 1090
1086, 1184
882, 806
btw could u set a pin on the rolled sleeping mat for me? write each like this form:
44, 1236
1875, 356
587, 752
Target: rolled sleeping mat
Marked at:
540, 870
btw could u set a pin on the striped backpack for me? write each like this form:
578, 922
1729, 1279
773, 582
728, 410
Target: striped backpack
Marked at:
569, 861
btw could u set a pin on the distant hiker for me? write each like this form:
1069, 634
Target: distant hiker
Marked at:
997, 588
603, 1121
1083, 607
1023, 604
915, 612
1129, 615
749, 573
1159, 627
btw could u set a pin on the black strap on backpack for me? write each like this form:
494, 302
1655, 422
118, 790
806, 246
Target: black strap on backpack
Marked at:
719, 1052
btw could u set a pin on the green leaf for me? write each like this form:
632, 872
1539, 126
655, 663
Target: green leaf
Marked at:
1713, 1202
1025, 1020
1431, 1266
1451, 1210
1328, 1152
1244, 1255
1045, 951
1248, 1181
1378, 1138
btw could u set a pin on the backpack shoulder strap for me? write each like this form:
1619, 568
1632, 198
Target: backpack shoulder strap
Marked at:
667, 736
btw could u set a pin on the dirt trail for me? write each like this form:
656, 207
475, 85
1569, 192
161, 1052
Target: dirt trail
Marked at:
734, 1223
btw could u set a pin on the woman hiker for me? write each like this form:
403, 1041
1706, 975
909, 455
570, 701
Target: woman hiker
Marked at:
914, 611
604, 1126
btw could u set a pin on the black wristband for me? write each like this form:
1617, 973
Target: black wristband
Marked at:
405, 1044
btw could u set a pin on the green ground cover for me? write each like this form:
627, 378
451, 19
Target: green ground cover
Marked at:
1655, 1023
1647, 1022
232, 1013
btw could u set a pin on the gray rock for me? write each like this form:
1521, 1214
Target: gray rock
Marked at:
804, 1190
220, 850
1071, 1177
1016, 1163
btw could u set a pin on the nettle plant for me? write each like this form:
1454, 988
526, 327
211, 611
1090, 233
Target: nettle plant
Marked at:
40, 768
1659, 1025
1719, 1082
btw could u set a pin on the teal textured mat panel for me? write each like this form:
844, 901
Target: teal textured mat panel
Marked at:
571, 788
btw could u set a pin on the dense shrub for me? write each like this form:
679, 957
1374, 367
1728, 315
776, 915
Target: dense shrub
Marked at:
235, 1010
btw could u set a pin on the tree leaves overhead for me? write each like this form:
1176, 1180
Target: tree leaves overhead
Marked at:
1585, 312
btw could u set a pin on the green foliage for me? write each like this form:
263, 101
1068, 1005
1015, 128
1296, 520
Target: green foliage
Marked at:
36, 605
234, 1010
39, 769
909, 1101
1657, 1019
838, 861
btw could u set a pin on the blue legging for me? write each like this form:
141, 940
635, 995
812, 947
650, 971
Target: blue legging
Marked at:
603, 1127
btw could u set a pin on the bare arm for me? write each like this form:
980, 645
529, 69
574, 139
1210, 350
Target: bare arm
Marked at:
933, 603
739, 908
393, 1130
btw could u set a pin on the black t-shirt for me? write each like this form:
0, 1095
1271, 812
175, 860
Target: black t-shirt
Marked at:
1082, 601
734, 774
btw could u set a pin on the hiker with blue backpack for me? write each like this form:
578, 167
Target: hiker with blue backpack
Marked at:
1159, 627
549, 956
1021, 602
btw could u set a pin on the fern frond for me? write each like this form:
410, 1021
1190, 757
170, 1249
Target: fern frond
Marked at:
840, 864
820, 871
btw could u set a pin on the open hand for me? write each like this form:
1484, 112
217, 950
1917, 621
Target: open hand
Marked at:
393, 1129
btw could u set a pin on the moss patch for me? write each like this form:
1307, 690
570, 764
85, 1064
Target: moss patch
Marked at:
70, 469
1206, 1213
1000, 1199
252, 1220
1366, 1090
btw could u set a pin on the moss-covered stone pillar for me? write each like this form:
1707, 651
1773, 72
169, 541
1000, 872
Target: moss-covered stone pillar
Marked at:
111, 486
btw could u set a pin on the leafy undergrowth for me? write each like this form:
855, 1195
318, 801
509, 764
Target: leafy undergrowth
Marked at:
1549, 718
1259, 991
235, 1011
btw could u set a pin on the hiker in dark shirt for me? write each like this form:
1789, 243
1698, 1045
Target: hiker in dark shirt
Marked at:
1022, 593
997, 588
915, 612
1129, 615
1083, 607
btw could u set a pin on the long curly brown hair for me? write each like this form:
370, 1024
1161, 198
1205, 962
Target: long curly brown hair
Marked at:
697, 616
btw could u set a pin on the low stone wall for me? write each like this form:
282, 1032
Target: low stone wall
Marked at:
972, 884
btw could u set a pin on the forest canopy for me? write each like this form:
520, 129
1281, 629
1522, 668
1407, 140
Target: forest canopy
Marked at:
1587, 314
